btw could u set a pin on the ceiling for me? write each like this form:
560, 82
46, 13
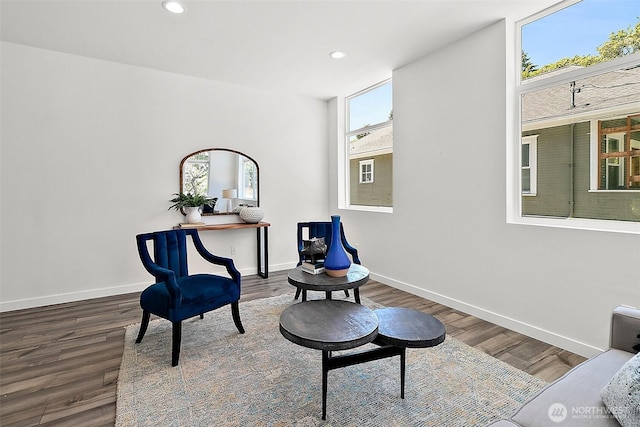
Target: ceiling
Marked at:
281, 45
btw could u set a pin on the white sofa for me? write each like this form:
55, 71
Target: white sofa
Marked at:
575, 399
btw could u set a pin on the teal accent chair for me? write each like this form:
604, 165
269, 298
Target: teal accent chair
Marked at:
176, 295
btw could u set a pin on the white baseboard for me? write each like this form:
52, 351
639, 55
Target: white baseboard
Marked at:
70, 297
105, 292
549, 337
498, 319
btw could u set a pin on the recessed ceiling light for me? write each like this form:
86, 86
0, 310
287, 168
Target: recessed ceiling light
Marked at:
173, 6
337, 54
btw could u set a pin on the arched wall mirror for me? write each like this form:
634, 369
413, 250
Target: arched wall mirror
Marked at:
229, 175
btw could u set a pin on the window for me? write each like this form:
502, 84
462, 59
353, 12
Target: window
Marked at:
369, 141
248, 172
577, 103
619, 153
196, 174
529, 155
366, 171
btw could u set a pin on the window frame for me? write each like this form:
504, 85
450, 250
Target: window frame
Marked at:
243, 179
345, 203
361, 174
516, 87
626, 153
532, 141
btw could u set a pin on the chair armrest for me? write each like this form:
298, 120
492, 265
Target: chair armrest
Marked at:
215, 259
625, 329
353, 251
168, 277
160, 273
154, 269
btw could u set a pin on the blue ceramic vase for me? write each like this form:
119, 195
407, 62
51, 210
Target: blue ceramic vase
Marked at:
336, 262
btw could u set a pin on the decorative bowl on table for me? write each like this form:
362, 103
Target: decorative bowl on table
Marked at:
251, 214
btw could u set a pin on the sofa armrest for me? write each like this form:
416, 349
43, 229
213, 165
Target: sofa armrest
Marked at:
625, 329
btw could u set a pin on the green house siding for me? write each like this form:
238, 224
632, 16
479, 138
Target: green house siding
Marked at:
554, 182
378, 193
555, 177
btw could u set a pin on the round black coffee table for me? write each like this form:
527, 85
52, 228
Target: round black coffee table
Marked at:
406, 327
356, 277
331, 325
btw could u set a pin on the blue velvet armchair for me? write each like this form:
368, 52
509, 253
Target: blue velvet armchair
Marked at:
322, 229
176, 295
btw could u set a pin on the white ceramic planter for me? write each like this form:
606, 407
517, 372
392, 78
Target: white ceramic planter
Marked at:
193, 215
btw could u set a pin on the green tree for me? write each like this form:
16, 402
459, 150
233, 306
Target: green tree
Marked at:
620, 43
527, 65
579, 60
363, 134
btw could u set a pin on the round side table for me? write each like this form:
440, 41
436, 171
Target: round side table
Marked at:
356, 277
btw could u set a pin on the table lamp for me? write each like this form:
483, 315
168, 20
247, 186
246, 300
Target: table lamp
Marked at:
230, 194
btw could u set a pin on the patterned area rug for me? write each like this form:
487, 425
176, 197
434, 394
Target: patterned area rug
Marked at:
262, 379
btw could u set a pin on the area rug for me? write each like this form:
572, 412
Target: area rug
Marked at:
261, 379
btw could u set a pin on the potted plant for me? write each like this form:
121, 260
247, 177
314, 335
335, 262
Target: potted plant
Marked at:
191, 205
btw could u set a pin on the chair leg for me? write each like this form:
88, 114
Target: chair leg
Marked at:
235, 312
175, 346
297, 293
143, 325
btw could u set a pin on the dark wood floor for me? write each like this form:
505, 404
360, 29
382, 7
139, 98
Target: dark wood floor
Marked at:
59, 364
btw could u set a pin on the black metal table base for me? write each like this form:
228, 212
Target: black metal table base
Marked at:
355, 277
356, 295
330, 362
263, 251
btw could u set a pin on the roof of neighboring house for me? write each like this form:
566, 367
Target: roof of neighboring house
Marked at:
374, 144
612, 89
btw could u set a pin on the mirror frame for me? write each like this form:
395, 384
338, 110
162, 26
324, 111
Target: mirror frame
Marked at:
184, 159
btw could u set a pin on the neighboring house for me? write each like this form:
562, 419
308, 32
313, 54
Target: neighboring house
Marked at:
371, 168
581, 148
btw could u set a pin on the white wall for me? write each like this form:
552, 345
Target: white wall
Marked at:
90, 157
99, 144
448, 239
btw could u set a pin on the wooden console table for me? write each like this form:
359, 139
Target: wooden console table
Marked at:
262, 246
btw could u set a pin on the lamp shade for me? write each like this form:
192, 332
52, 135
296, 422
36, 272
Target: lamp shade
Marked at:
231, 193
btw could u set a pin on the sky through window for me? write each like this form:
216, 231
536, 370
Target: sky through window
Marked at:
577, 30
371, 107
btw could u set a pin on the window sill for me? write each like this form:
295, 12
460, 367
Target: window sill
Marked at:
381, 209
629, 227
614, 191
